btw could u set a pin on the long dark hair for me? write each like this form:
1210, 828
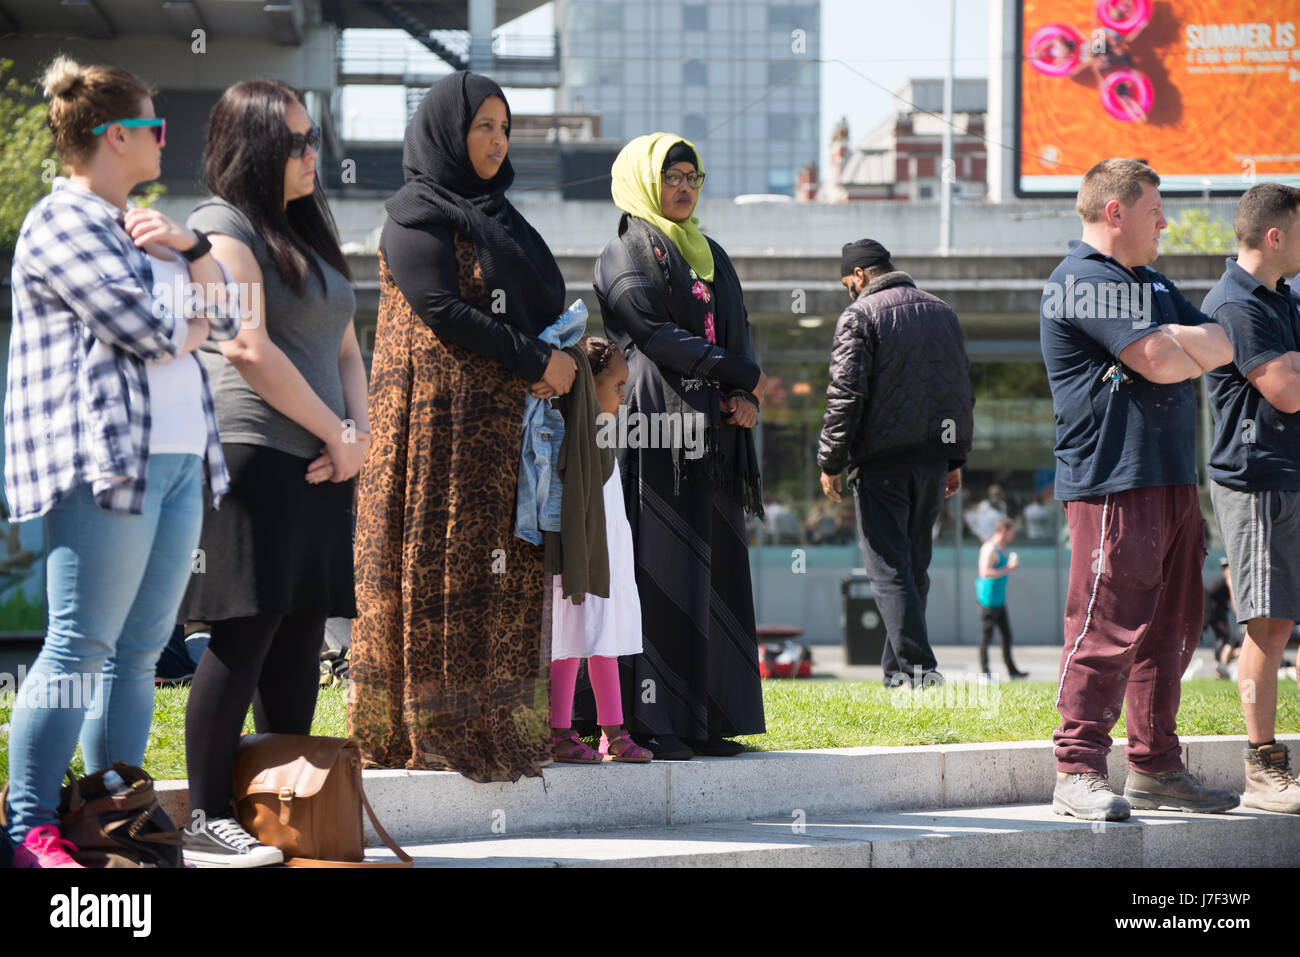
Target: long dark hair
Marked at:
243, 163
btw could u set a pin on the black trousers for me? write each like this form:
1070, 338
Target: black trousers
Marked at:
897, 509
991, 618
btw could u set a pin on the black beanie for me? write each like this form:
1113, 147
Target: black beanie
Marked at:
865, 253
680, 153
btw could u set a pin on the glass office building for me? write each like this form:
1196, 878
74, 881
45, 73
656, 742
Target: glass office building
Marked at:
739, 78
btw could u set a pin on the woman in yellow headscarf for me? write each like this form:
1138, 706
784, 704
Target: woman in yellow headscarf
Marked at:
671, 300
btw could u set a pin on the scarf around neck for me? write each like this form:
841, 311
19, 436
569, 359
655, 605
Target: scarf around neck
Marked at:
730, 459
635, 188
442, 189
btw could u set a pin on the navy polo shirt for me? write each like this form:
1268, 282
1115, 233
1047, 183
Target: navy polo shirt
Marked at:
1114, 429
1255, 445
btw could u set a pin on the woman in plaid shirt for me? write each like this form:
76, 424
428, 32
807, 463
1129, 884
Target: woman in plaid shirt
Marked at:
109, 432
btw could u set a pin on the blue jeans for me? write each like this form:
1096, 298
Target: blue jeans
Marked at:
114, 583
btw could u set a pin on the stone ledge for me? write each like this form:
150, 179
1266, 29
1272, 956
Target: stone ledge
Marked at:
419, 806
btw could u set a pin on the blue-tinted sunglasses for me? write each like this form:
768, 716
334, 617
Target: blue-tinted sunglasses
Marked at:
299, 142
159, 126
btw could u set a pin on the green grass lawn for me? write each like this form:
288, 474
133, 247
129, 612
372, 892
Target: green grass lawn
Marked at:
813, 714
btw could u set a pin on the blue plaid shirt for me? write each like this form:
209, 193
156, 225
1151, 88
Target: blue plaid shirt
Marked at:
77, 399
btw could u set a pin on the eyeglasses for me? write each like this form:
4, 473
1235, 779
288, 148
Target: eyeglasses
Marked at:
299, 142
158, 125
674, 179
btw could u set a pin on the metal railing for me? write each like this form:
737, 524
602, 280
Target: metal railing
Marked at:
378, 60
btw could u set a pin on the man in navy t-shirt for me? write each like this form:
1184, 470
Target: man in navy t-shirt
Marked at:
1122, 347
1255, 467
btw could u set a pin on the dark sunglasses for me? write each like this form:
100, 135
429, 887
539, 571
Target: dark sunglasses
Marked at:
157, 125
299, 142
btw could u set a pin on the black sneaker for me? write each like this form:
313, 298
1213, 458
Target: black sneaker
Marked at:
223, 843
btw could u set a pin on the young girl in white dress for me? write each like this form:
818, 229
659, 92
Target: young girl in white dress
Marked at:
600, 629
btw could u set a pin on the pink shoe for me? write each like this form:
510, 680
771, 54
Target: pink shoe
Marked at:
42, 847
623, 749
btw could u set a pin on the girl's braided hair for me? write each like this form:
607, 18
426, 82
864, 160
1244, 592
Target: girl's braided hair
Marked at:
600, 353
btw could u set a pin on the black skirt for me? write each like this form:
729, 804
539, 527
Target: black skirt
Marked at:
277, 544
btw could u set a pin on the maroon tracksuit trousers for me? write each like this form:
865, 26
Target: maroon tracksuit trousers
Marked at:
1133, 618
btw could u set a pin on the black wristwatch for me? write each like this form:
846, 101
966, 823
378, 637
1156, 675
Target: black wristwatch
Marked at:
200, 249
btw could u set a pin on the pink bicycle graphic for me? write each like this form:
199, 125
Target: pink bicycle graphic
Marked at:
1059, 49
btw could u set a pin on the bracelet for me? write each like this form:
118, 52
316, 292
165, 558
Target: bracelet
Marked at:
747, 396
200, 248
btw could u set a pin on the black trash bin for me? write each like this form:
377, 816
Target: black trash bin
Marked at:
864, 630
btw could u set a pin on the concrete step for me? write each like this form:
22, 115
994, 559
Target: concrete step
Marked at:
420, 806
1001, 836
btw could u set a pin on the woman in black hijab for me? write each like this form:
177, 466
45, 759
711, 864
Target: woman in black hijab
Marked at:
448, 665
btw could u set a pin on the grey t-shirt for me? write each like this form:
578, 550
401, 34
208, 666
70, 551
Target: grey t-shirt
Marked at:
308, 329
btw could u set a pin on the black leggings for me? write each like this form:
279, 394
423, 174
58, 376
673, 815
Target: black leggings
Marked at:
272, 661
990, 617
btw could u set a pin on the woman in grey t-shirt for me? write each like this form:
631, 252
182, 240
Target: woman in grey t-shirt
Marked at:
290, 393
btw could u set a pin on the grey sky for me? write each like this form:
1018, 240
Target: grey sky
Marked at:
875, 44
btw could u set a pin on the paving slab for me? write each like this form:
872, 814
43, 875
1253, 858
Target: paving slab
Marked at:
995, 836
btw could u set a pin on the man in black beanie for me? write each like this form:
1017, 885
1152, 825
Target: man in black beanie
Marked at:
899, 419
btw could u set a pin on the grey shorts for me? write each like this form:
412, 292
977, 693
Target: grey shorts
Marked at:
1261, 531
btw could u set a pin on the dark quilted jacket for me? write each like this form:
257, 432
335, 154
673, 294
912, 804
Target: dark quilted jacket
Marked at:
900, 390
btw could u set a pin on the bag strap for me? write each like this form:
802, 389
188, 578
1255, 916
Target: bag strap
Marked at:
405, 860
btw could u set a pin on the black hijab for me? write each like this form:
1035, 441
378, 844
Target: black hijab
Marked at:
442, 189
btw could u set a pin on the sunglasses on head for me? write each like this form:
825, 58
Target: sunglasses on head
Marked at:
157, 124
299, 142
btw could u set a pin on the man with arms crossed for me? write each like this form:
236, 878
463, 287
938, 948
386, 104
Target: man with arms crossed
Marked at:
1122, 347
1255, 467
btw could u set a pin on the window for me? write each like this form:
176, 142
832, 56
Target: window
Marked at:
695, 16
695, 73
780, 126
694, 127
805, 127
780, 179
590, 72
791, 73
789, 16
600, 15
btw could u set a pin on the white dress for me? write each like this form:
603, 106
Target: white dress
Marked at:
602, 626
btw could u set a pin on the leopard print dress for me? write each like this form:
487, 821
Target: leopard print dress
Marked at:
450, 650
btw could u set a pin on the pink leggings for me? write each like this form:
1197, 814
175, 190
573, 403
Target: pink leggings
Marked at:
603, 673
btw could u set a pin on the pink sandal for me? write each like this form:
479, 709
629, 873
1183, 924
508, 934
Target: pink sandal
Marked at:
623, 749
568, 749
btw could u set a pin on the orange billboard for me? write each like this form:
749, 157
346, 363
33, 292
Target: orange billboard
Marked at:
1206, 91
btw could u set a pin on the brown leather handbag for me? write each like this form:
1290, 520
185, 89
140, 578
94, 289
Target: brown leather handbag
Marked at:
303, 795
125, 828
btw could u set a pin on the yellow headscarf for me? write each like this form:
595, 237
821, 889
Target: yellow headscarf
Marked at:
636, 190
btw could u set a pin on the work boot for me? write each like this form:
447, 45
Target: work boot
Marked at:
1088, 797
1269, 783
1176, 791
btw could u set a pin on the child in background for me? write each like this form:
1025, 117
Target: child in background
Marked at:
600, 629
